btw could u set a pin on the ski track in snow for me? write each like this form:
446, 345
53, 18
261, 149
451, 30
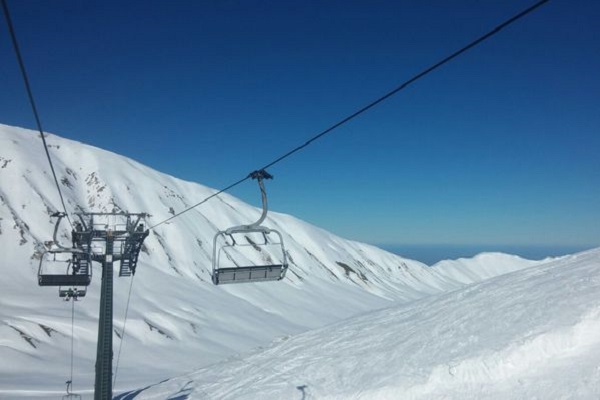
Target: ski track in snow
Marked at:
259, 341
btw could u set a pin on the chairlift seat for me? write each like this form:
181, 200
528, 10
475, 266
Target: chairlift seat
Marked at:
254, 273
64, 280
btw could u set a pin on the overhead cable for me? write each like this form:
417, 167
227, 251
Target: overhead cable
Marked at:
32, 101
201, 202
373, 103
409, 81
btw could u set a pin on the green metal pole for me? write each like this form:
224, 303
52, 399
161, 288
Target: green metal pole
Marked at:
104, 354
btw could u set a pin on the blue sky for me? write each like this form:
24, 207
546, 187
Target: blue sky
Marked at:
498, 147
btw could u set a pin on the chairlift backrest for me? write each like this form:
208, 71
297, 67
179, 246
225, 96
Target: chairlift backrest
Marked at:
255, 272
53, 272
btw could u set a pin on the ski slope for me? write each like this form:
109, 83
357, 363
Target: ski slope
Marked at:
530, 334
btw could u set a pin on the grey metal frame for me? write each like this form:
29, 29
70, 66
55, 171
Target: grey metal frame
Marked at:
251, 273
71, 277
78, 275
122, 242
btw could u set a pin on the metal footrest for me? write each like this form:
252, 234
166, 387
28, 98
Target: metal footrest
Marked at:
71, 293
254, 273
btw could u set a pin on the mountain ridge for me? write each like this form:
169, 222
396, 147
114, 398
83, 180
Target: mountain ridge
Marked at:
175, 307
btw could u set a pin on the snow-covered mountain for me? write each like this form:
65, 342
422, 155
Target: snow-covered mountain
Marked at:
531, 334
178, 320
482, 266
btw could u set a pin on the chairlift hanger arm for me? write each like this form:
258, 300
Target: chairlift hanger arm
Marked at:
259, 175
60, 216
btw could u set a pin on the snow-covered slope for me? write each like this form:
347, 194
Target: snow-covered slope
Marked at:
482, 266
531, 334
178, 320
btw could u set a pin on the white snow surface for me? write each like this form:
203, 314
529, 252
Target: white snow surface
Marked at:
179, 321
482, 266
531, 334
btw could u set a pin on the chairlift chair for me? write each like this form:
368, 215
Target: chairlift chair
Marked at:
68, 268
225, 241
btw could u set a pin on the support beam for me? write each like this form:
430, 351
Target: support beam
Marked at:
104, 353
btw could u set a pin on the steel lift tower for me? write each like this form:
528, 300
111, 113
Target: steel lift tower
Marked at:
104, 238
120, 236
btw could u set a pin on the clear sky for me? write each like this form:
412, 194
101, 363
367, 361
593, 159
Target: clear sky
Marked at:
501, 146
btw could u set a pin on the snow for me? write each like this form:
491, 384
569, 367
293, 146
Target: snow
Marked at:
482, 266
180, 322
531, 334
